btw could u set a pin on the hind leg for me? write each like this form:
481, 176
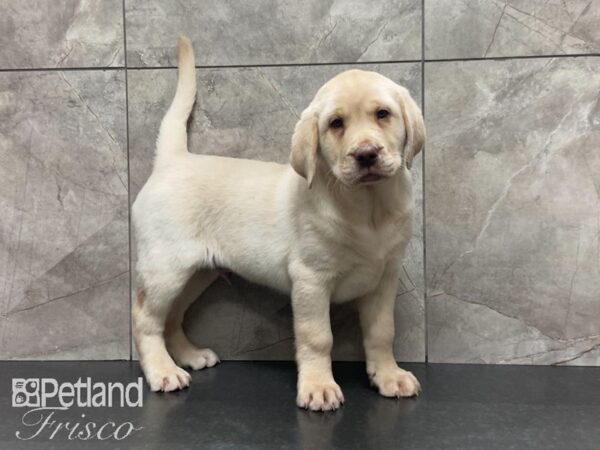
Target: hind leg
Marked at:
179, 346
156, 296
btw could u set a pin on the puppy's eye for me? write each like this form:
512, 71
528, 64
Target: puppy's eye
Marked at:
382, 113
336, 123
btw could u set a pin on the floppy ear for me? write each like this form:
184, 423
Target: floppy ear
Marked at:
305, 144
414, 126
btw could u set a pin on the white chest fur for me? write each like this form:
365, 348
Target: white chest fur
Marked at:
363, 267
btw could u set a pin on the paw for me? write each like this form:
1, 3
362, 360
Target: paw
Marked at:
167, 379
319, 396
196, 358
396, 383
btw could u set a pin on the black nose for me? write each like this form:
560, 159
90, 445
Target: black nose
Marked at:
367, 156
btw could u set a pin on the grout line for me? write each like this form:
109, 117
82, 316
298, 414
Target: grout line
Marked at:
61, 69
128, 181
504, 58
245, 66
310, 64
424, 221
354, 63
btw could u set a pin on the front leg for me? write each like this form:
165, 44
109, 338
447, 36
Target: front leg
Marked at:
317, 390
376, 312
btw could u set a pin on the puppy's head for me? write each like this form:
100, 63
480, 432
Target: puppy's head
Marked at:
361, 127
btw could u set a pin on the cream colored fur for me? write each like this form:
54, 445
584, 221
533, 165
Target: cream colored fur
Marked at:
323, 229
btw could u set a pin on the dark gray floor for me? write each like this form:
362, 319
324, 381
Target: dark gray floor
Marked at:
241, 405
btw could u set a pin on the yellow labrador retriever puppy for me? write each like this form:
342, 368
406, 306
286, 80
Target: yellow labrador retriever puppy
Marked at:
330, 227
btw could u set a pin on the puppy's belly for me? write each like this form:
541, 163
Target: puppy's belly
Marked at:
276, 280
258, 270
348, 289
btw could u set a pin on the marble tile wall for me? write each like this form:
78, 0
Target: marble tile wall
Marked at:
232, 32
489, 28
61, 33
506, 269
513, 211
64, 269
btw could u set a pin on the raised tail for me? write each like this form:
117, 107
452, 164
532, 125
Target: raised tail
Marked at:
172, 137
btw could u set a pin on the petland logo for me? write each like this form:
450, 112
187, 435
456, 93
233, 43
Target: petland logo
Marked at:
48, 398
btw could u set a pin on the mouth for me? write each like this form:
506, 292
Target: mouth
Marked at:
370, 178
